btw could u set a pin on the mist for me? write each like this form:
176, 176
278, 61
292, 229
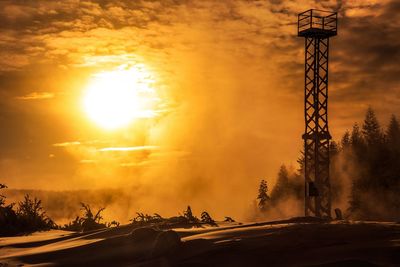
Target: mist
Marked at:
229, 81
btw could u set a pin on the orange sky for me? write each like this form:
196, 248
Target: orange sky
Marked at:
229, 76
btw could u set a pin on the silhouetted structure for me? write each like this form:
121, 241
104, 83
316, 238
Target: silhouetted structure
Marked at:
316, 27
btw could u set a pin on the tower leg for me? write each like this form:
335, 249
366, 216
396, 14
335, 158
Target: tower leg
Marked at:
316, 136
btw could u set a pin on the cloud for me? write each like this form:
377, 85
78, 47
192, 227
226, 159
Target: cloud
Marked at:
37, 96
131, 148
66, 144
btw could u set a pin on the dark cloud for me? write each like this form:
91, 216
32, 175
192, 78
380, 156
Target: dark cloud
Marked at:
366, 55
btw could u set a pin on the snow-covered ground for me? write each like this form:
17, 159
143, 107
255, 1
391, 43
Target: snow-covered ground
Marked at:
285, 243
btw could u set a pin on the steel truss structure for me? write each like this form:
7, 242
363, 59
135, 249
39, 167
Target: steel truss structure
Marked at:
316, 27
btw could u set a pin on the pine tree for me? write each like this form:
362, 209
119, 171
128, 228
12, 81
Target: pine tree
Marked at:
356, 138
282, 185
2, 198
371, 129
376, 154
301, 161
393, 134
392, 162
32, 215
345, 142
31, 208
206, 218
357, 142
188, 214
263, 195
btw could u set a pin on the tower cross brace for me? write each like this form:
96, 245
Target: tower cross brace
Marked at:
316, 27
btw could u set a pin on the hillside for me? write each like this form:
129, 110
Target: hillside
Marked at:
295, 242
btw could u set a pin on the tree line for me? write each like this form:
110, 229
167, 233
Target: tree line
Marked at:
365, 163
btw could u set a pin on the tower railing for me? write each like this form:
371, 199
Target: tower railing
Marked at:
314, 21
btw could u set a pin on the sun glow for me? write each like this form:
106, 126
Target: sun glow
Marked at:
116, 98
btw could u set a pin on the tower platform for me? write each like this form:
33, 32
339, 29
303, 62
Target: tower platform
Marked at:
317, 23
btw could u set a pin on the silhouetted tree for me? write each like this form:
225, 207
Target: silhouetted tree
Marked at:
88, 214
346, 141
393, 135
393, 148
371, 129
206, 218
301, 161
229, 219
189, 215
91, 221
281, 188
367, 160
31, 215
263, 197
333, 149
9, 224
376, 179
2, 198
356, 137
357, 143
28, 217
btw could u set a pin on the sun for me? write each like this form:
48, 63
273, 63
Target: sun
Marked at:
116, 98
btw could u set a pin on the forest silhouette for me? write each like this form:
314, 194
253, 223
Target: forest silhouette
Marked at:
365, 163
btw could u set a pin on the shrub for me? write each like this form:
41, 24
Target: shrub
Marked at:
31, 215
89, 221
28, 217
206, 218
